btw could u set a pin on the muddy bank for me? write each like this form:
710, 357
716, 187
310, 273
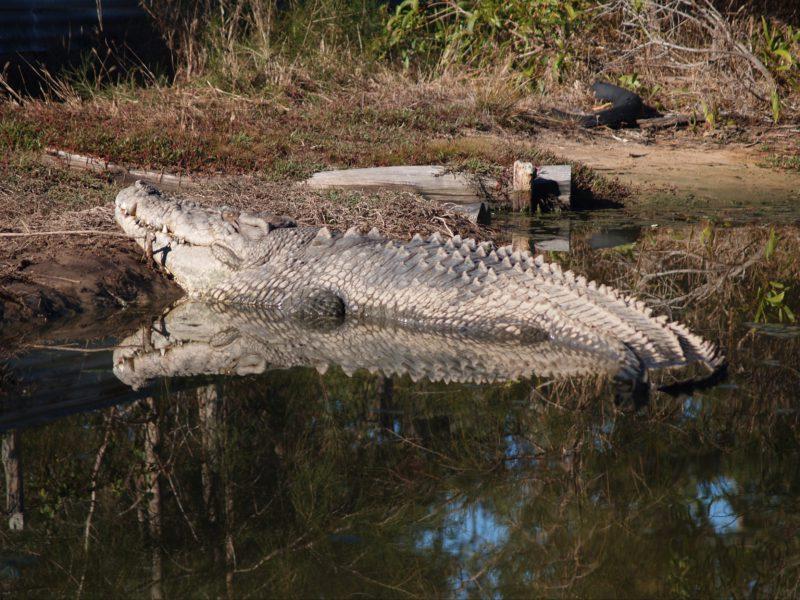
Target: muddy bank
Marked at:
66, 286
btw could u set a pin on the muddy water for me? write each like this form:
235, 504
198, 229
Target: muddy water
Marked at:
287, 467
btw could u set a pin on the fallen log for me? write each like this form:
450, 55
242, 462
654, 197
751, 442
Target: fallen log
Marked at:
123, 175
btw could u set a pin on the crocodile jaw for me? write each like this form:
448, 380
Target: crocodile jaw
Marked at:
199, 247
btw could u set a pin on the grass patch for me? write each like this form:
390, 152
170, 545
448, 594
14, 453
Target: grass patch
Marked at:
788, 162
17, 134
207, 132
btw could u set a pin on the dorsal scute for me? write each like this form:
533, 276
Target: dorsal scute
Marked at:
323, 235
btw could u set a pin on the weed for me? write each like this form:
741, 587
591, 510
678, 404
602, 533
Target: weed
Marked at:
779, 47
534, 34
711, 114
772, 304
790, 162
19, 135
630, 81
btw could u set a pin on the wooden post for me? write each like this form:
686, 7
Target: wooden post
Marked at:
522, 242
522, 185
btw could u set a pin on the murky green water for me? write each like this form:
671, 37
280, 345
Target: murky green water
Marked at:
150, 475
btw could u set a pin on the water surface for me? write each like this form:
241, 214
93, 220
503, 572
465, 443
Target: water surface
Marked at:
301, 468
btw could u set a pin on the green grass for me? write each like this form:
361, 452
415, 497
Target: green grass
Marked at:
789, 162
17, 134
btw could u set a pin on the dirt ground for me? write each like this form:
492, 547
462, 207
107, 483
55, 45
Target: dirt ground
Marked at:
734, 171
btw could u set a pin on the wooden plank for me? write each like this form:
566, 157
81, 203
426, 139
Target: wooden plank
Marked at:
432, 181
552, 187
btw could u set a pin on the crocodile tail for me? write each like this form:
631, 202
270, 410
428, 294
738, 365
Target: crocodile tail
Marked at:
696, 349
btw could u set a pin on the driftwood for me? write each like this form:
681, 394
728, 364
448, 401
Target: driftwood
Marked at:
470, 193
664, 122
80, 162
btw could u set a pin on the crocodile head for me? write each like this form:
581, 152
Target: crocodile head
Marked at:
201, 247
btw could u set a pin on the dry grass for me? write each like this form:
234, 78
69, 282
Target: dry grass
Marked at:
40, 197
396, 214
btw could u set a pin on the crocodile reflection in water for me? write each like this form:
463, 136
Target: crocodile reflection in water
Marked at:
195, 338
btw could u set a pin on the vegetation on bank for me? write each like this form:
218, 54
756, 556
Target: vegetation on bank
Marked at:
285, 88
742, 57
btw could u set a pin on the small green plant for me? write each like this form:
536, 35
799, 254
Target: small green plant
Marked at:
772, 298
630, 81
779, 49
707, 235
772, 244
711, 115
772, 304
779, 45
776, 106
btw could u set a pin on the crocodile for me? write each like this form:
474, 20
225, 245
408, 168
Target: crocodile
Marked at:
198, 338
231, 257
